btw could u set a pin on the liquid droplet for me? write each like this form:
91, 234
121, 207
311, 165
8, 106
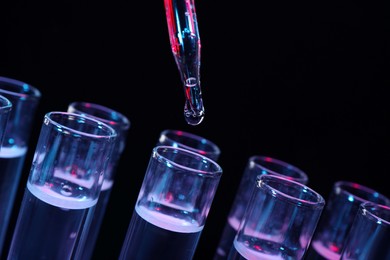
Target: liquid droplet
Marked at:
193, 108
193, 117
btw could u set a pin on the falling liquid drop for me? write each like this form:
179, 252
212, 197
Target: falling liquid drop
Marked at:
193, 117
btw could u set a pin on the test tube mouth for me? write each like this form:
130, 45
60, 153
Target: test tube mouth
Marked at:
189, 141
289, 190
5, 104
360, 193
69, 123
376, 212
189, 161
18, 89
269, 165
107, 115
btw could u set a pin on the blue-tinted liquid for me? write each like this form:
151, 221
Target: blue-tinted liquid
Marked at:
163, 240
87, 248
45, 230
11, 165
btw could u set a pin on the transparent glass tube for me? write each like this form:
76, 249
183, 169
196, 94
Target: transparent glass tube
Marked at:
257, 165
189, 141
64, 184
121, 125
25, 99
341, 208
172, 206
369, 237
279, 220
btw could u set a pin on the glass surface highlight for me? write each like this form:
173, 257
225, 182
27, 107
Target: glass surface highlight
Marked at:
5, 108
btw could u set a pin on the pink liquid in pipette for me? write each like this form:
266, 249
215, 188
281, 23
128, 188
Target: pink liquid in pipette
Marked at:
185, 44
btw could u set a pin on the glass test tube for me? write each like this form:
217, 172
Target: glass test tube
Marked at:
369, 237
189, 141
172, 205
121, 125
279, 220
257, 165
25, 99
336, 221
63, 186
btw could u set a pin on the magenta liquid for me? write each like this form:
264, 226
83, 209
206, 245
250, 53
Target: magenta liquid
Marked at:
239, 251
152, 235
50, 221
318, 251
11, 165
255, 248
227, 238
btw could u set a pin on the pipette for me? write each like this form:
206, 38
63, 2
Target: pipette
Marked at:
185, 43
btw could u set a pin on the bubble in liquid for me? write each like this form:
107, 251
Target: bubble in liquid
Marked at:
66, 190
73, 235
191, 82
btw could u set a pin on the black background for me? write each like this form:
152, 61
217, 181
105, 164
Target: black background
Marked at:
302, 81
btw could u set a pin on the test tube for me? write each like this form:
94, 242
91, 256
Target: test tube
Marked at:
121, 125
369, 237
63, 186
172, 206
25, 99
342, 205
279, 220
257, 165
190, 141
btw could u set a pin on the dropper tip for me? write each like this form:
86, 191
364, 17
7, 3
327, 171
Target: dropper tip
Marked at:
194, 118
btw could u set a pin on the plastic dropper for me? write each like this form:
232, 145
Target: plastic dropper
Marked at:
185, 43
